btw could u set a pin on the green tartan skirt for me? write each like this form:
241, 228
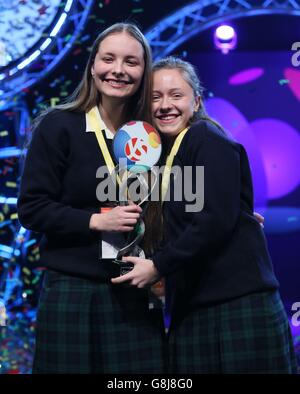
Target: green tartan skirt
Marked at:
250, 335
86, 326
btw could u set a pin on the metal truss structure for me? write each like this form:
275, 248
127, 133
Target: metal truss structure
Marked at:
50, 50
190, 20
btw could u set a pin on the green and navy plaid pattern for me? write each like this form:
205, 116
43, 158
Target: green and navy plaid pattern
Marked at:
87, 326
246, 335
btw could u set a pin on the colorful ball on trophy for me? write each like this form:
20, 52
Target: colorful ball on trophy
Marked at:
138, 145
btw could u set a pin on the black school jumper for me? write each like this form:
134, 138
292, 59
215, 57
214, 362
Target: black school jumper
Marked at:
84, 323
227, 316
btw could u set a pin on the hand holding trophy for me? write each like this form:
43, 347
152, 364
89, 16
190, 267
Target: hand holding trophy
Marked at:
137, 148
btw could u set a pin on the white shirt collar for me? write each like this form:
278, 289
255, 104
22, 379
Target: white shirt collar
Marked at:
108, 134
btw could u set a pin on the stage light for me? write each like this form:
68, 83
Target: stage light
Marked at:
45, 44
59, 24
225, 32
225, 38
36, 37
68, 5
29, 59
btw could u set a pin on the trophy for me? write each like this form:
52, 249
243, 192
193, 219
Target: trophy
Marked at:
137, 148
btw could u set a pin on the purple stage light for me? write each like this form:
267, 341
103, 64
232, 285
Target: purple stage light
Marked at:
246, 76
237, 126
231, 119
280, 145
225, 38
225, 32
293, 76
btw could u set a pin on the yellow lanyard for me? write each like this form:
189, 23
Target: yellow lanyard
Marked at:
169, 162
96, 124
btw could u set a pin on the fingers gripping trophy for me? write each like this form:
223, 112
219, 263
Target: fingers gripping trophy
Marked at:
137, 148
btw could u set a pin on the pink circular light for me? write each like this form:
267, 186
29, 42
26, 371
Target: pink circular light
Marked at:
293, 76
280, 146
237, 126
227, 114
246, 76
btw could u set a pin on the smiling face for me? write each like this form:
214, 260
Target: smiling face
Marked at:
173, 101
118, 66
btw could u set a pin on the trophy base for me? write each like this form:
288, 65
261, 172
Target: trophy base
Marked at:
124, 267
